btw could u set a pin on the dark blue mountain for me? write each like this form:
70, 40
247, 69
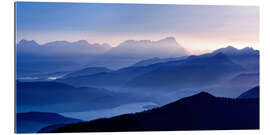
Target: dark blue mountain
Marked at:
198, 112
31, 122
250, 94
87, 71
50, 128
55, 97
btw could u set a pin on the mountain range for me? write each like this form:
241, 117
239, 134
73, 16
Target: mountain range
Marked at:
61, 48
193, 71
217, 90
57, 56
164, 48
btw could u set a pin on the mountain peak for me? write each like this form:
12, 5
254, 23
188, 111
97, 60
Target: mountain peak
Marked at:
227, 50
27, 42
248, 48
230, 47
168, 39
201, 97
230, 50
204, 94
81, 42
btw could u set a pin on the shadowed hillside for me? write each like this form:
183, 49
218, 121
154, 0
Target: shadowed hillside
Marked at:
31, 122
250, 94
198, 112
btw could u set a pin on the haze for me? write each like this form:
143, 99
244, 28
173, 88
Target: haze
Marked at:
199, 28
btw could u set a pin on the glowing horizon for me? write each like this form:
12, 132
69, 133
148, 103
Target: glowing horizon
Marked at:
198, 28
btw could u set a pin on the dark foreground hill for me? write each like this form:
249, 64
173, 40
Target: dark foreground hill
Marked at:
198, 112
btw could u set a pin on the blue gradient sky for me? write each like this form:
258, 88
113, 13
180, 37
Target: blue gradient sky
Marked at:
195, 27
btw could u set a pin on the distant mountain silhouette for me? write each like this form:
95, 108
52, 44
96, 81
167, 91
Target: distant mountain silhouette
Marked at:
230, 50
87, 71
198, 112
130, 52
167, 47
31, 122
61, 47
250, 94
55, 97
58, 56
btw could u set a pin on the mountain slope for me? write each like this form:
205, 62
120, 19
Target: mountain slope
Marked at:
251, 94
195, 71
31, 122
54, 97
237, 85
198, 112
87, 71
192, 71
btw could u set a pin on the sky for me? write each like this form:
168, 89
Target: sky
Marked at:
198, 28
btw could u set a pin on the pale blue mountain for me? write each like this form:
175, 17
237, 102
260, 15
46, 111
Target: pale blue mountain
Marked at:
130, 52
61, 47
164, 48
245, 79
59, 56
236, 85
